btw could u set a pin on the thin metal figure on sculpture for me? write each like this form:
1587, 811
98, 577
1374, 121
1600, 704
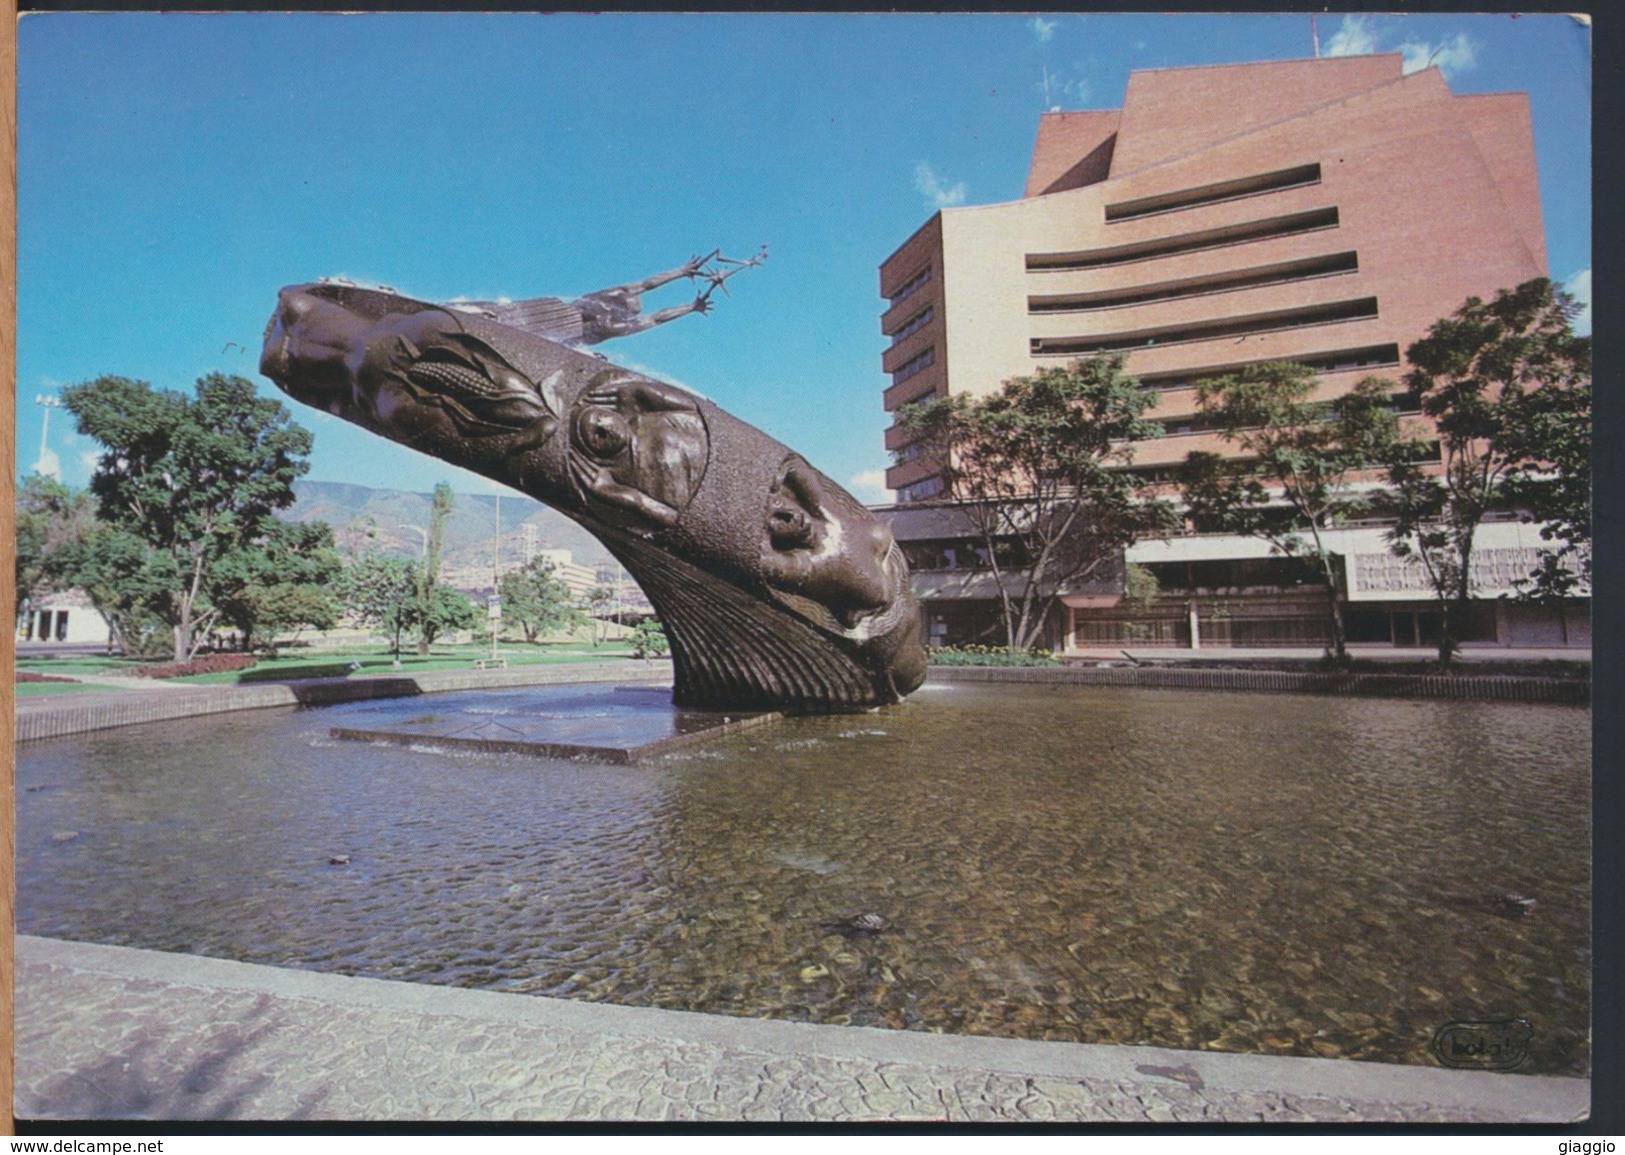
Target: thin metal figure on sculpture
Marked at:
616, 311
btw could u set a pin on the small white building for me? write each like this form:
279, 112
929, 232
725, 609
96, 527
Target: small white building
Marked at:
67, 618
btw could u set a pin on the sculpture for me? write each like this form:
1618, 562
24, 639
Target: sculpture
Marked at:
777, 589
615, 311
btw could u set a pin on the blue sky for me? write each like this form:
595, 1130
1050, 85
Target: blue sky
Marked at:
174, 170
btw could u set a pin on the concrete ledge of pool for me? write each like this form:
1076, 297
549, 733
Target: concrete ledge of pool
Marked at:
628, 736
115, 1032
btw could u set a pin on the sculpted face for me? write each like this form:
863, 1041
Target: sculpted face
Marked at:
821, 546
759, 565
638, 449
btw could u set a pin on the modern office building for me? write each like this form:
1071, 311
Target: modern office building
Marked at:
1324, 211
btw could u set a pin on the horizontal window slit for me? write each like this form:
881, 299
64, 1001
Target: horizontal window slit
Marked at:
1224, 235
1281, 179
1363, 308
1332, 361
1283, 272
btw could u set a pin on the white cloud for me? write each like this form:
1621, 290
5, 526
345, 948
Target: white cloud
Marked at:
1579, 287
1057, 86
937, 195
49, 464
1043, 29
1354, 37
1454, 55
870, 485
1360, 36
89, 459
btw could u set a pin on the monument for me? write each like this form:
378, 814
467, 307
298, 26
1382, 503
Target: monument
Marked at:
777, 589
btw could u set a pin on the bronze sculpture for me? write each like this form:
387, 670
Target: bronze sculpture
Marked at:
777, 589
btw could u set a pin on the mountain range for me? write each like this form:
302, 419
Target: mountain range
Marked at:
393, 521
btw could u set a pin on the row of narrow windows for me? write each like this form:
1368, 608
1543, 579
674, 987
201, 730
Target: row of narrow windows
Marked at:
1334, 361
1426, 453
1402, 403
922, 490
910, 285
1359, 309
915, 324
1283, 272
1225, 190
1367, 357
1288, 224
913, 365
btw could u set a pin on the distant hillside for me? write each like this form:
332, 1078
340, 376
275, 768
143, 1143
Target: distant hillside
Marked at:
363, 517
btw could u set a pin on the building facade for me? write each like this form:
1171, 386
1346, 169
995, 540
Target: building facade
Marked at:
1323, 211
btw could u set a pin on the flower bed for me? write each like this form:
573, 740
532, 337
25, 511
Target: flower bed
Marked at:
988, 656
207, 664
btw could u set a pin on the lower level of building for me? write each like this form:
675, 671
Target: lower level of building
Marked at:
1221, 591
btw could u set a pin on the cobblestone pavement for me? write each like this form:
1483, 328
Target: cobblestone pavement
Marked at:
114, 1032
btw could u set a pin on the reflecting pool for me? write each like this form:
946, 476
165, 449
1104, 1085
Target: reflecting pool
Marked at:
1262, 873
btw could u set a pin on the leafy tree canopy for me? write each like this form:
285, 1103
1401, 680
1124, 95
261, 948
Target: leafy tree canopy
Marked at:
1508, 385
279, 582
52, 523
190, 478
378, 591
1040, 470
536, 600
1298, 467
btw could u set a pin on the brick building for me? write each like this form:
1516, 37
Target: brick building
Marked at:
1323, 211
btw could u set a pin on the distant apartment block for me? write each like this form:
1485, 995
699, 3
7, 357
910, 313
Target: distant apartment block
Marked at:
1323, 211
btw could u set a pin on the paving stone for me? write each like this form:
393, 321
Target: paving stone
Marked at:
97, 1042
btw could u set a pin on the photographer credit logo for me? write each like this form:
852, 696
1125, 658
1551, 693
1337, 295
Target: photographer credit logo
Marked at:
1491, 1045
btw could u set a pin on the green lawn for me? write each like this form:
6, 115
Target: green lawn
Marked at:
326, 663
79, 665
376, 660
38, 689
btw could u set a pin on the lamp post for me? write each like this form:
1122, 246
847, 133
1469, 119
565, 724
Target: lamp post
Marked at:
48, 402
423, 533
494, 609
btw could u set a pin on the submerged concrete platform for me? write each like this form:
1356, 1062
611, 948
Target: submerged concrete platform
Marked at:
614, 724
108, 1032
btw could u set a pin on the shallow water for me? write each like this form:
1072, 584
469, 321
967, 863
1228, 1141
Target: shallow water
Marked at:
1272, 873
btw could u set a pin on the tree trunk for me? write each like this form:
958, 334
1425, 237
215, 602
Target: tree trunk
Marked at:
1338, 647
1447, 634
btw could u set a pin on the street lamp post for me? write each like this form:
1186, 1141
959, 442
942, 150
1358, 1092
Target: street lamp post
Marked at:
423, 533
48, 402
495, 609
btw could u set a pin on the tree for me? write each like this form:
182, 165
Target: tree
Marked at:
189, 478
1040, 469
448, 610
1140, 590
649, 640
536, 599
129, 585
429, 606
379, 592
278, 582
52, 523
1492, 376
1298, 471
1552, 483
599, 599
